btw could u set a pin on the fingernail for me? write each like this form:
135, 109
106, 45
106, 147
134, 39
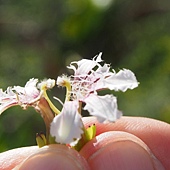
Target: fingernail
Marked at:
52, 157
124, 155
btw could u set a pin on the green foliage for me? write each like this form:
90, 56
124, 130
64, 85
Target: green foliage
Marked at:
39, 37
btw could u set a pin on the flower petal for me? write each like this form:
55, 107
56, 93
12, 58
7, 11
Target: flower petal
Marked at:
84, 66
28, 93
103, 107
67, 126
18, 95
123, 80
7, 99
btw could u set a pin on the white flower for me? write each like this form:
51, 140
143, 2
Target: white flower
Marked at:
24, 96
19, 95
67, 126
93, 79
89, 78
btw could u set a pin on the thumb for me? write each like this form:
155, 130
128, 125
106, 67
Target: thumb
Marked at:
119, 151
54, 157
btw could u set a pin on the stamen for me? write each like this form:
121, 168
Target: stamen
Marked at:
43, 88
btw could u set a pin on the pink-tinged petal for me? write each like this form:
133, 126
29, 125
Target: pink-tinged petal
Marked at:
103, 107
29, 92
7, 102
18, 95
84, 66
24, 96
67, 126
123, 80
7, 99
7, 105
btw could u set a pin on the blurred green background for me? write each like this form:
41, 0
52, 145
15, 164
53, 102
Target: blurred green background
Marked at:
38, 38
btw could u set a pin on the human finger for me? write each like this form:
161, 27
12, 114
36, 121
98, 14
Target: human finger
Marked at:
48, 157
119, 151
155, 134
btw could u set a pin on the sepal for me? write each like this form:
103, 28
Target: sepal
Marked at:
88, 135
41, 140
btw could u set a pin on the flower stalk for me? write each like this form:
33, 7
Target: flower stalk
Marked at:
47, 115
44, 89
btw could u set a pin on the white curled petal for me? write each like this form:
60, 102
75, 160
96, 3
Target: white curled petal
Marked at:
31, 83
103, 107
123, 80
7, 99
7, 102
67, 126
7, 93
98, 58
84, 66
7, 105
29, 92
18, 95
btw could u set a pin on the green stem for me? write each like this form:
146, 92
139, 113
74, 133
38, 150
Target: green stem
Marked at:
47, 115
68, 91
55, 110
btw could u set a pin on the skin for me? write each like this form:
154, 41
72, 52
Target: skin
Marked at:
130, 143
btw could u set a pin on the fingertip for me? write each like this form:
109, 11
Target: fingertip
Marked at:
54, 157
155, 133
11, 158
119, 151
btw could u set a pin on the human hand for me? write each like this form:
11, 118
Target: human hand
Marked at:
129, 144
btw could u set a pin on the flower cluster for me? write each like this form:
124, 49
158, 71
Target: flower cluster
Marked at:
65, 126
